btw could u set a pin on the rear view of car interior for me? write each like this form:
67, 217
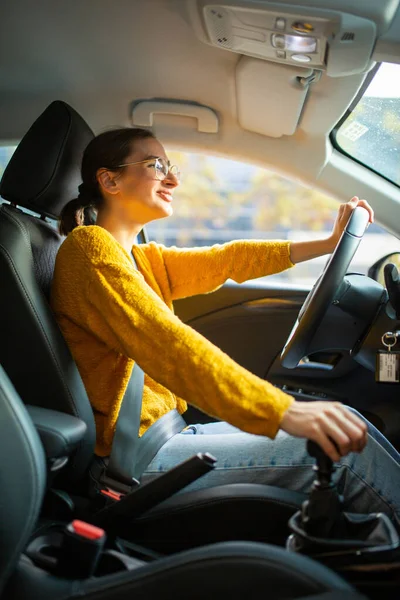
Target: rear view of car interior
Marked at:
300, 102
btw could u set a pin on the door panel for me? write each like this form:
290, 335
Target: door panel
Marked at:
252, 325
251, 332
250, 322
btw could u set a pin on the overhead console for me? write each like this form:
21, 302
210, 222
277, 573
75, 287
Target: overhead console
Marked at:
333, 41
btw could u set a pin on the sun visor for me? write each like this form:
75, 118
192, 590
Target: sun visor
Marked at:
278, 93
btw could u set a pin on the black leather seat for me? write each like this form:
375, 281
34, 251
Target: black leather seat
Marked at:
43, 174
228, 569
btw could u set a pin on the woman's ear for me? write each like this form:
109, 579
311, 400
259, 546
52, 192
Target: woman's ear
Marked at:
107, 181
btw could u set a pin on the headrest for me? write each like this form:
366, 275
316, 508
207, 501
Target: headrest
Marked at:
44, 171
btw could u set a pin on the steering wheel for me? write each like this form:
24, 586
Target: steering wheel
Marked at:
324, 290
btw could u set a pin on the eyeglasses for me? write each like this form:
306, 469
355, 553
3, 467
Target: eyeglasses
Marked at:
161, 167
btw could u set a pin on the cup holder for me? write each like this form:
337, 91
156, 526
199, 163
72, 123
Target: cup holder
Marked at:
46, 552
45, 549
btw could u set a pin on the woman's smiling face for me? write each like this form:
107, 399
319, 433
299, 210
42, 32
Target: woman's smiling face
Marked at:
136, 189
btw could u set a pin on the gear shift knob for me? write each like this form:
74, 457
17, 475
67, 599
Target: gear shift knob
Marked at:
324, 465
315, 450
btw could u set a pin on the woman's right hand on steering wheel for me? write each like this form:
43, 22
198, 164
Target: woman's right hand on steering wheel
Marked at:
324, 422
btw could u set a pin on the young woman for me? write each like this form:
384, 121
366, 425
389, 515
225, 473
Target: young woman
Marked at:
113, 301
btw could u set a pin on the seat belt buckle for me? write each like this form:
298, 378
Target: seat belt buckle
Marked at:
113, 494
110, 483
81, 547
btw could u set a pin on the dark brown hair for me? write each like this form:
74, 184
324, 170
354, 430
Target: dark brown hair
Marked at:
107, 150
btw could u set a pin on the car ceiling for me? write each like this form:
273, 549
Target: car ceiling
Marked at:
103, 55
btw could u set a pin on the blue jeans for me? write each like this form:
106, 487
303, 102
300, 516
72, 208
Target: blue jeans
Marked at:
369, 481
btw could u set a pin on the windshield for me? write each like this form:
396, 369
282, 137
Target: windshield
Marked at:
371, 132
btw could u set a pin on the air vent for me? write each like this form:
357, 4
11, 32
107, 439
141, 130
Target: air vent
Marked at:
348, 36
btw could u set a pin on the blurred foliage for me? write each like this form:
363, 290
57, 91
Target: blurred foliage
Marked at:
283, 204
214, 196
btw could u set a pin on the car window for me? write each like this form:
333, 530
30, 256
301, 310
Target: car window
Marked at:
221, 200
371, 132
6, 153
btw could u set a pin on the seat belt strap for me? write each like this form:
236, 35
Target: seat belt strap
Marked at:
131, 454
154, 438
126, 434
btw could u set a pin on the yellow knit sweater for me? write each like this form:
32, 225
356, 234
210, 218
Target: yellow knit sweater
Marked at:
112, 315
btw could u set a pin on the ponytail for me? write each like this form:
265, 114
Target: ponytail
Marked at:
77, 212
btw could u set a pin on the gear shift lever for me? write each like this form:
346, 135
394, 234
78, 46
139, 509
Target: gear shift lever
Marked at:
322, 513
322, 528
324, 466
